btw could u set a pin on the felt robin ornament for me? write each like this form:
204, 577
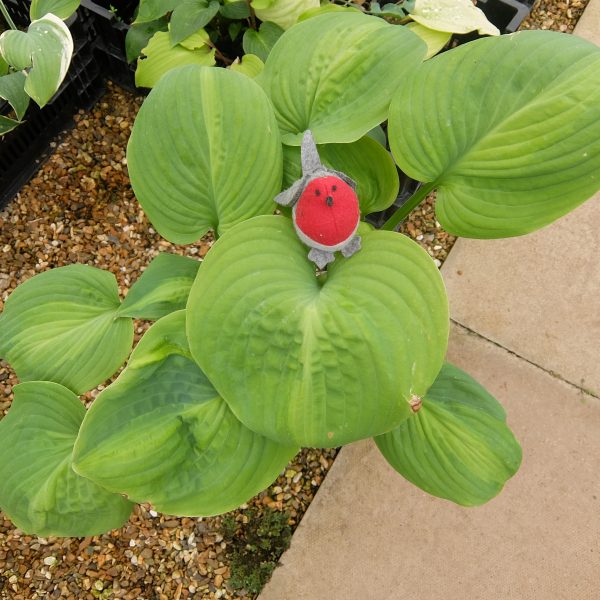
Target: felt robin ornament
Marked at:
325, 207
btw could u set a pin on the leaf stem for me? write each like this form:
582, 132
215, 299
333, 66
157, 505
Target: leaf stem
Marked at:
252, 15
403, 211
6, 16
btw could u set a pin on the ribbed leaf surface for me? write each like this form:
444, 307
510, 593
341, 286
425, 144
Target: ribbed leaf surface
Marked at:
39, 490
199, 158
62, 326
457, 446
317, 361
335, 75
162, 434
508, 128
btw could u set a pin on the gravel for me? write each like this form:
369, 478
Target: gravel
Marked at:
80, 208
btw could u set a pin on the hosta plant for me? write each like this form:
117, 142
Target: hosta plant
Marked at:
254, 352
33, 63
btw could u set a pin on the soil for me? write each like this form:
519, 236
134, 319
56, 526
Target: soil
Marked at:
80, 208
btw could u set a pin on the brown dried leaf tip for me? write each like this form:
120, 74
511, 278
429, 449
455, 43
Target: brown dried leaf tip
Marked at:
415, 403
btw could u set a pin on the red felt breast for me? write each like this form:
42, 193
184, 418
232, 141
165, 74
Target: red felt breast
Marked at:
327, 211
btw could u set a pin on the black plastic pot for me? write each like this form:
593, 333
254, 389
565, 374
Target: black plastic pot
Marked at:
24, 149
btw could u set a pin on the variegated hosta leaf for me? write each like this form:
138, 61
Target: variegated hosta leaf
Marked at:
39, 490
163, 287
453, 16
317, 361
199, 158
457, 446
63, 326
511, 153
366, 161
346, 67
46, 47
161, 433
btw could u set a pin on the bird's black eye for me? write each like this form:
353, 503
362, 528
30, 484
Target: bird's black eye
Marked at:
334, 188
317, 192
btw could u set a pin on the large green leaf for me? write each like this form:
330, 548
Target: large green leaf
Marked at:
366, 161
61, 8
160, 57
509, 153
335, 75
62, 325
47, 48
163, 288
317, 361
39, 490
162, 434
457, 446
199, 158
189, 16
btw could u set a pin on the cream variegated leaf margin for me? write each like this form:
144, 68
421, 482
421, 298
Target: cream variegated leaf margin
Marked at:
216, 159
458, 445
317, 361
63, 326
511, 153
346, 67
39, 490
184, 452
453, 16
45, 50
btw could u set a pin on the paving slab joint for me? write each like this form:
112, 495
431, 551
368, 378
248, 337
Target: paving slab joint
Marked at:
579, 387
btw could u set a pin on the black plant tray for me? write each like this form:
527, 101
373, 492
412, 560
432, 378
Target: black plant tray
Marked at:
25, 149
111, 22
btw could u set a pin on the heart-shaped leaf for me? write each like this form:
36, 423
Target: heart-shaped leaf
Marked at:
61, 8
47, 48
189, 16
346, 66
12, 89
317, 361
217, 160
62, 325
163, 288
367, 162
509, 153
39, 490
159, 57
457, 446
261, 42
283, 12
453, 16
162, 434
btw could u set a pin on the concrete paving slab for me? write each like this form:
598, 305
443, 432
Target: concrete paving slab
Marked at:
369, 534
588, 26
537, 295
